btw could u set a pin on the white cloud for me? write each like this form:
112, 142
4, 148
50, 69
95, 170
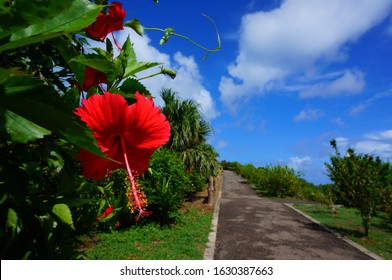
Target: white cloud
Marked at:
287, 41
188, 82
382, 135
309, 115
350, 82
374, 147
375, 143
299, 164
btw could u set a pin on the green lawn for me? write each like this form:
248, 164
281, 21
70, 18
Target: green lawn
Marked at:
184, 241
348, 222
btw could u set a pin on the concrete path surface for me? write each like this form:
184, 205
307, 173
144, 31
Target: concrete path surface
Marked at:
251, 227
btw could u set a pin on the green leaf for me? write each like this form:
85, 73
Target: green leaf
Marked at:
80, 14
130, 86
31, 99
5, 74
135, 25
12, 219
127, 57
65, 45
63, 212
38, 10
19, 129
133, 68
55, 161
101, 63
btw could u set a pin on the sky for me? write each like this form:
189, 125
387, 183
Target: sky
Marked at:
290, 76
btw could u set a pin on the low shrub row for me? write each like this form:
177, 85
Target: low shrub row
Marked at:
278, 181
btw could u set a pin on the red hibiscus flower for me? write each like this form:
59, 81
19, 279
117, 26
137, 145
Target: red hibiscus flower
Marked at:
127, 134
106, 213
93, 77
105, 24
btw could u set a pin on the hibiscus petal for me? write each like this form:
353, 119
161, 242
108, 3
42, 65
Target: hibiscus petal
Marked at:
95, 167
100, 28
93, 77
147, 126
138, 159
105, 115
116, 17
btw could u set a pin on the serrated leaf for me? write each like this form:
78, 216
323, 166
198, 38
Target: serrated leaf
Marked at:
130, 86
63, 212
19, 129
128, 60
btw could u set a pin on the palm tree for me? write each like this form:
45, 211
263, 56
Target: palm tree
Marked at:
189, 131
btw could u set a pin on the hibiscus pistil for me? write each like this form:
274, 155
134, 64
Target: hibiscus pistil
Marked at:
135, 193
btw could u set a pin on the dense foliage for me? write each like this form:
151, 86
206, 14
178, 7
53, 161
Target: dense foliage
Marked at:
364, 182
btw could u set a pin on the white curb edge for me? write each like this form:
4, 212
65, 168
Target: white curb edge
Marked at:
210, 247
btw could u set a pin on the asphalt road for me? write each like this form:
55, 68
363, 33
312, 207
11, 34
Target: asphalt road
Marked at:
251, 228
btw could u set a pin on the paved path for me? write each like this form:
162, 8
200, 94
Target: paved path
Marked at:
252, 227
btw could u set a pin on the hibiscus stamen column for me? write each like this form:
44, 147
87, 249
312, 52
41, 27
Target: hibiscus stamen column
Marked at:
116, 43
133, 185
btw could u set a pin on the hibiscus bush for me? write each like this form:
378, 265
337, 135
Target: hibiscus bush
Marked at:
63, 103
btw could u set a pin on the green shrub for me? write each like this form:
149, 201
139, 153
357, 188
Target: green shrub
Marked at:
279, 181
166, 184
363, 180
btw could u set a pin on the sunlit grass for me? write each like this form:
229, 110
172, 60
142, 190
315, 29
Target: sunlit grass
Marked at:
348, 222
184, 241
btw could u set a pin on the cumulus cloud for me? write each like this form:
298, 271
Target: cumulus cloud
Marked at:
374, 147
188, 82
287, 41
349, 83
309, 115
299, 164
375, 143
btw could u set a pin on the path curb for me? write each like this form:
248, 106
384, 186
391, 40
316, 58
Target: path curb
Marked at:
338, 235
210, 247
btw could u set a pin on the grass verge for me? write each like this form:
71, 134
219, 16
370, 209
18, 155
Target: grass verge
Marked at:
185, 240
348, 222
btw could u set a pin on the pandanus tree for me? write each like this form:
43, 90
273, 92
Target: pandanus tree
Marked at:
189, 132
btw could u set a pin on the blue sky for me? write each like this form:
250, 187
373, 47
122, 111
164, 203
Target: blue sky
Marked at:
291, 75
